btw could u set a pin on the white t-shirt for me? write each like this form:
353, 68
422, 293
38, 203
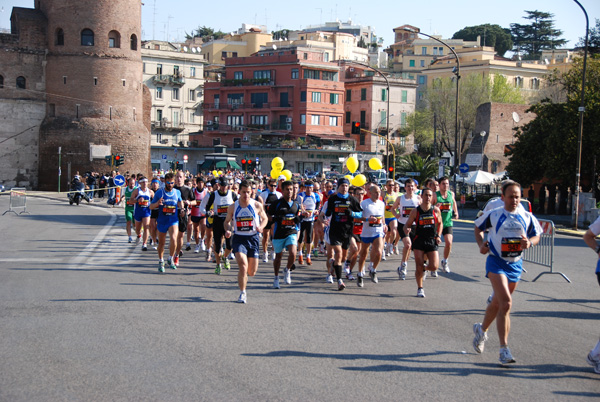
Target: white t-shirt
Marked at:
507, 230
595, 227
499, 203
406, 206
375, 209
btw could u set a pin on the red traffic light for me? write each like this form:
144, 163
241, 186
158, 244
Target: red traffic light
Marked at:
391, 168
243, 161
117, 157
357, 124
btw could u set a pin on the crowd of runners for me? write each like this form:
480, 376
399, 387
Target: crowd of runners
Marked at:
249, 218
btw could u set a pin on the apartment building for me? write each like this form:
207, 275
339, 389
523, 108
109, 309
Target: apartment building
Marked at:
246, 41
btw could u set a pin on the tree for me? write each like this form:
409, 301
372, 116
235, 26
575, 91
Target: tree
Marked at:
282, 34
593, 40
546, 147
207, 34
540, 34
427, 167
503, 92
491, 35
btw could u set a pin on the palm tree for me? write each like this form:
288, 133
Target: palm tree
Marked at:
426, 167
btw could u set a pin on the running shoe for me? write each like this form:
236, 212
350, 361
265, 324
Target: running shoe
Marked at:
424, 274
480, 338
373, 275
266, 258
402, 272
203, 245
231, 256
242, 298
322, 248
315, 253
346, 268
287, 276
300, 259
397, 250
594, 361
445, 266
383, 258
350, 277
197, 249
329, 279
161, 266
341, 285
150, 241
226, 264
172, 264
138, 239
293, 267
155, 247
176, 261
276, 283
130, 239
505, 356
420, 292
218, 269
274, 255
180, 253
188, 247
434, 274
330, 264
359, 282
144, 247
308, 261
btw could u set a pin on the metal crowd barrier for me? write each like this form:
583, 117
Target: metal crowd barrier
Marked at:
543, 253
18, 199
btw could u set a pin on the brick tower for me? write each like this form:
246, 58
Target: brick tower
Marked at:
96, 101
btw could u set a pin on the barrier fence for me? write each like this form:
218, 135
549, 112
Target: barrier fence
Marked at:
543, 253
18, 199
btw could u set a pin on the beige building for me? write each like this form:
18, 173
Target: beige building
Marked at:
174, 74
246, 41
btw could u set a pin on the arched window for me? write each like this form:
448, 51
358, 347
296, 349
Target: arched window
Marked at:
21, 82
60, 37
1, 81
114, 39
87, 37
133, 42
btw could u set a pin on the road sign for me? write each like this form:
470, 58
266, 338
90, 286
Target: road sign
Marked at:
463, 167
164, 156
441, 167
119, 180
413, 174
185, 158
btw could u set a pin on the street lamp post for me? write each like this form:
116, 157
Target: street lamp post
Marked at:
456, 72
581, 111
377, 130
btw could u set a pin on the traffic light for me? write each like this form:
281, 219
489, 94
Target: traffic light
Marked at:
119, 160
356, 127
109, 160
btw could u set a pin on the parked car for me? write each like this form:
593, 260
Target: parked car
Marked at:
332, 175
524, 202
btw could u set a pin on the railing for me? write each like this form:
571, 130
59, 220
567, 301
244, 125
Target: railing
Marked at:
246, 105
249, 127
247, 81
168, 79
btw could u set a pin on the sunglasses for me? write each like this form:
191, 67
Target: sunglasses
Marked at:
169, 182
272, 185
253, 188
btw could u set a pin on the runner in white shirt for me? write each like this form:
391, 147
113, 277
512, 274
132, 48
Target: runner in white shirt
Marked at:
404, 205
373, 234
589, 237
511, 232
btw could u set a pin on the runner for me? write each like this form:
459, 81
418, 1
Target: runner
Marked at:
511, 232
310, 203
245, 219
404, 205
428, 228
286, 215
141, 197
447, 205
170, 206
593, 358
208, 237
198, 218
129, 207
221, 199
391, 221
355, 243
342, 208
268, 197
187, 196
154, 186
373, 234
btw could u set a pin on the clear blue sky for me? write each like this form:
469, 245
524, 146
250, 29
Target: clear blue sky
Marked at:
175, 17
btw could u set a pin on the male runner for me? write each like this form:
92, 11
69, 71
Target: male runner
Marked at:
391, 221
593, 358
511, 232
187, 196
447, 205
245, 219
310, 203
268, 197
141, 197
154, 186
129, 207
373, 234
198, 218
404, 205
355, 243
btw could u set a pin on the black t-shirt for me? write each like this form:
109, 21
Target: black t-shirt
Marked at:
186, 194
340, 209
286, 218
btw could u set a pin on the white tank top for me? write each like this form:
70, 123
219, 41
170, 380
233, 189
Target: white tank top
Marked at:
221, 203
406, 206
245, 219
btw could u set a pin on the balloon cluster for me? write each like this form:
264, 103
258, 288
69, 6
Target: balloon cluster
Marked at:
277, 170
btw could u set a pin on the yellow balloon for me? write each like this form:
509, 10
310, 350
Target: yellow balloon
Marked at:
277, 163
287, 174
359, 180
220, 172
349, 177
214, 172
275, 173
352, 164
375, 164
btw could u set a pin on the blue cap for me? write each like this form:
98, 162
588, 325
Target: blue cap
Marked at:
343, 180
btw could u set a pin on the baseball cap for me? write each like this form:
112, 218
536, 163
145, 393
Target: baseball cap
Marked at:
343, 180
282, 177
223, 181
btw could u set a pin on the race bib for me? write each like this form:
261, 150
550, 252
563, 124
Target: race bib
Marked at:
168, 210
406, 211
288, 221
445, 206
245, 224
375, 221
142, 202
511, 247
222, 211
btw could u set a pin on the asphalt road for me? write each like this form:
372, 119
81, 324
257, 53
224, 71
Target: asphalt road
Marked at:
86, 316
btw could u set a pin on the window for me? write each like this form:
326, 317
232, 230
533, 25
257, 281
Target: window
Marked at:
305, 55
1, 82
262, 74
403, 120
411, 63
192, 95
114, 39
348, 117
159, 69
64, 79
519, 82
238, 75
175, 94
363, 94
441, 51
235, 120
192, 71
302, 96
535, 83
334, 99
259, 120
362, 138
235, 99
295, 73
348, 95
402, 141
329, 76
325, 56
159, 114
87, 37
383, 94
192, 117
314, 120
333, 121
363, 117
316, 97
259, 99
424, 50
233, 54
303, 119
404, 96
21, 82
176, 71
312, 74
422, 63
159, 93
435, 50
176, 121
223, 55
60, 37
421, 80
133, 42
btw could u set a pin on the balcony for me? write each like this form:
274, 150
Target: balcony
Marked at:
225, 128
176, 79
247, 82
166, 125
246, 105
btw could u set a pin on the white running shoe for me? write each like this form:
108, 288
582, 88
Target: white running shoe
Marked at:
138, 239
329, 279
197, 249
420, 292
350, 277
242, 298
266, 258
202, 245
274, 255
434, 274
383, 257
401, 273
505, 356
347, 268
480, 338
594, 362
287, 276
276, 283
445, 266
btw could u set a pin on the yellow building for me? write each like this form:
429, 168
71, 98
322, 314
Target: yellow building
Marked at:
247, 41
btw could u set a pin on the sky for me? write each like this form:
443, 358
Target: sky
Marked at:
171, 19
